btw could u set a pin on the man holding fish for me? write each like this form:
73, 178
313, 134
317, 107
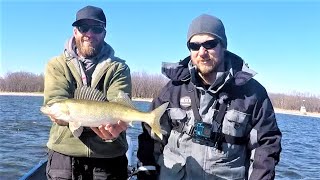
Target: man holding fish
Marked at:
75, 151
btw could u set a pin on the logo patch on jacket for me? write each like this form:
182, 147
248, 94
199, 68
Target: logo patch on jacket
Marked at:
185, 101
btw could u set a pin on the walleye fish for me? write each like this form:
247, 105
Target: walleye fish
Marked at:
88, 108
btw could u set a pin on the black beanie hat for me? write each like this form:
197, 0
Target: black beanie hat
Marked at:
207, 24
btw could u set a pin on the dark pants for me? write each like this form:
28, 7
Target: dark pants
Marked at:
82, 168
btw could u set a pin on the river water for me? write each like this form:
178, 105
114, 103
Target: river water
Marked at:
24, 133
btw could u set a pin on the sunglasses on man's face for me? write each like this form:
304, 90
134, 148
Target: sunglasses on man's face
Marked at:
96, 29
207, 45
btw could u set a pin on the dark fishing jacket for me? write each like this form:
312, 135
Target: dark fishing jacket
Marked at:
248, 145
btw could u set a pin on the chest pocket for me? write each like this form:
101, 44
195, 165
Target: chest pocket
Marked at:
178, 115
235, 123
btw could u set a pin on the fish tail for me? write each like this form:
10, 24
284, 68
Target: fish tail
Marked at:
155, 121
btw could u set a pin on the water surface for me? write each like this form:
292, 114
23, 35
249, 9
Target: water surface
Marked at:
24, 133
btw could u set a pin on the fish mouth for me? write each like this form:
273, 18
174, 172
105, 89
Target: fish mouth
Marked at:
44, 109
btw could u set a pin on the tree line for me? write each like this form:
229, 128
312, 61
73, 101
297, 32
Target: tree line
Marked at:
146, 85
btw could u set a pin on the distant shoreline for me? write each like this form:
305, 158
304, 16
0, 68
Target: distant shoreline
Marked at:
277, 110
41, 94
20, 94
296, 112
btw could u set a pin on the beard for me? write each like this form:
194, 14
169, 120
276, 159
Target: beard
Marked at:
209, 67
205, 69
88, 49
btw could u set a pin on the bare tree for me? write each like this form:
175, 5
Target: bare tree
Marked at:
294, 102
22, 82
146, 85
2, 84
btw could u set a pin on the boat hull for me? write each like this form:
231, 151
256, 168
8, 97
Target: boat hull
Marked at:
38, 172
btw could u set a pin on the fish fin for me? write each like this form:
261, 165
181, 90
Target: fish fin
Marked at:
124, 99
163, 131
154, 122
76, 128
153, 134
131, 124
88, 93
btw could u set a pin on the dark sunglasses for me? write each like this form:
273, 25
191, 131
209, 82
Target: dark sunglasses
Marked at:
96, 29
207, 45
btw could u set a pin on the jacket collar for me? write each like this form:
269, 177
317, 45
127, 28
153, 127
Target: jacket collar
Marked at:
236, 70
107, 52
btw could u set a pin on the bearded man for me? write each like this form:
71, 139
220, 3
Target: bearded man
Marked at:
220, 122
87, 60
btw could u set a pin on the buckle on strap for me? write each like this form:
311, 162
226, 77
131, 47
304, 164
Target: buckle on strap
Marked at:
184, 128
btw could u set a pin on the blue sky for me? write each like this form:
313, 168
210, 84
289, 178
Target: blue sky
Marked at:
278, 39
